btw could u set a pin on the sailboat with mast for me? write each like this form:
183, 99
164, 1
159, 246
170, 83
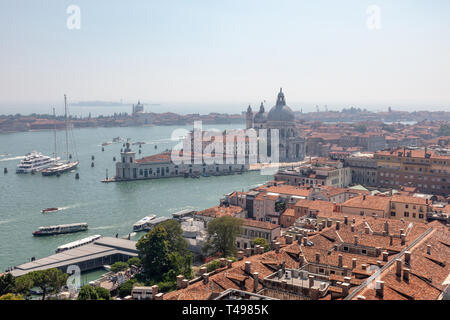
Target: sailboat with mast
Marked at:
67, 165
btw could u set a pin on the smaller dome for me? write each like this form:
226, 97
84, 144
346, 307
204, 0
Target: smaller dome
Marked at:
261, 116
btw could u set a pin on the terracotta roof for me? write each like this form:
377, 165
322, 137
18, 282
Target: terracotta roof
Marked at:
368, 202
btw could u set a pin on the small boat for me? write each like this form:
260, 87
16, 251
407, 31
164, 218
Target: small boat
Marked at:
60, 229
141, 225
49, 210
104, 144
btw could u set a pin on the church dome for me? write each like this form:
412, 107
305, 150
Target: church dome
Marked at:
261, 116
281, 112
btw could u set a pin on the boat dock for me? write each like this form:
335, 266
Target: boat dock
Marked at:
104, 251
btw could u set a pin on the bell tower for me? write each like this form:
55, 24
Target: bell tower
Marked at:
249, 118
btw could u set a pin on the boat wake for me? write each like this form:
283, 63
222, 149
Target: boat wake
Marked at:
104, 228
5, 221
12, 159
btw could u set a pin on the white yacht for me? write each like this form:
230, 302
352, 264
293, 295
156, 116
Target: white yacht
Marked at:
35, 162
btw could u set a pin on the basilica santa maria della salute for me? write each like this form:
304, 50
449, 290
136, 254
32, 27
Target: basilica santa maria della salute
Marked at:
281, 118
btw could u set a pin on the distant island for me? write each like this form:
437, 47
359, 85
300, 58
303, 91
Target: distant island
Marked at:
99, 103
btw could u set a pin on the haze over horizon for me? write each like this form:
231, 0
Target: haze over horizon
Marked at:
219, 56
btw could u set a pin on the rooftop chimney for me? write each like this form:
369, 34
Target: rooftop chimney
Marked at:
329, 222
203, 270
240, 255
311, 281
222, 262
338, 225
277, 247
180, 279
205, 278
353, 228
317, 257
300, 240
255, 281
248, 267
305, 241
407, 258
154, 291
429, 249
185, 283
345, 288
229, 264
403, 237
353, 263
355, 240
354, 220
386, 227
366, 230
288, 239
385, 255
406, 273
391, 240
248, 252
345, 220
340, 260
398, 271
379, 288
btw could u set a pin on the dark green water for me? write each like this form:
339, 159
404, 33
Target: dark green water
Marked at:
107, 208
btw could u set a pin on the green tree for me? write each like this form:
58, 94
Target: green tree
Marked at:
11, 296
119, 266
280, 206
88, 292
154, 252
175, 238
261, 242
49, 281
103, 294
164, 253
125, 288
222, 233
135, 261
23, 285
7, 284
213, 265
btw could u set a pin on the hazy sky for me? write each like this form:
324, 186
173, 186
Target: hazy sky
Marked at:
231, 52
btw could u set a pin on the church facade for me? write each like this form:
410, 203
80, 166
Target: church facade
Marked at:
281, 118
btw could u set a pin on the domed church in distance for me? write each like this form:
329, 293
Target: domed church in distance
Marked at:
280, 117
